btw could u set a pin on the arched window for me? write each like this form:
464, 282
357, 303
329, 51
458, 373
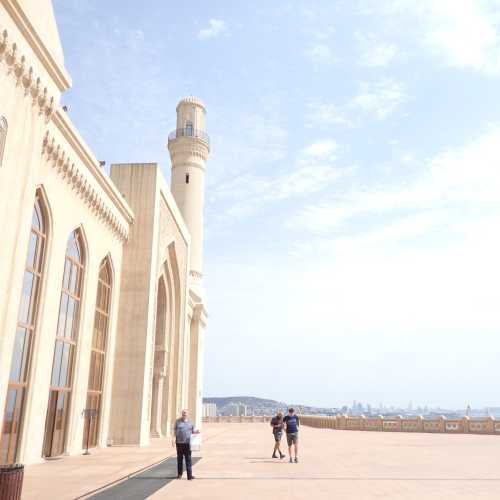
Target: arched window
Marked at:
189, 128
25, 332
98, 353
160, 362
64, 352
3, 137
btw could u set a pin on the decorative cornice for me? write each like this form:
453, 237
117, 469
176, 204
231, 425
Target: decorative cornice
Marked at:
58, 73
188, 146
23, 74
69, 172
196, 274
63, 123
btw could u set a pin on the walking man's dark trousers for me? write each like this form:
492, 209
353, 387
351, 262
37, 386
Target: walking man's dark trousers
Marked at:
184, 451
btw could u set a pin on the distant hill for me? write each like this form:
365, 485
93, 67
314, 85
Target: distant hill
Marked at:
261, 406
245, 400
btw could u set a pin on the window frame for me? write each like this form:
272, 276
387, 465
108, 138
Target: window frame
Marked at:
4, 128
20, 385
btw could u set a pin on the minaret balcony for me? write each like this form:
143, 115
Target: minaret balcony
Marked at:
189, 133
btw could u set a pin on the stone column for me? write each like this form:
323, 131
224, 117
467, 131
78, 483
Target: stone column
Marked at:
197, 327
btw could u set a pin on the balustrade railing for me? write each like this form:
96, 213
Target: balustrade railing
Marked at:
189, 132
464, 425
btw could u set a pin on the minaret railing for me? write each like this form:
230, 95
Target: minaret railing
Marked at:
189, 132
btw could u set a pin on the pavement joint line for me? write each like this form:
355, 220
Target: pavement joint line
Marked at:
302, 478
134, 473
122, 479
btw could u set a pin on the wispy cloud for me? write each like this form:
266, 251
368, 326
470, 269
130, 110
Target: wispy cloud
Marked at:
462, 179
464, 34
380, 98
375, 53
313, 170
321, 114
320, 54
325, 149
216, 27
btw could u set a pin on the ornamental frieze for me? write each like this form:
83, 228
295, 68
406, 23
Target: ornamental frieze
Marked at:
73, 176
23, 75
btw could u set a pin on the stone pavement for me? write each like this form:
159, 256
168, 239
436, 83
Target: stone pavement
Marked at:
73, 477
355, 465
236, 464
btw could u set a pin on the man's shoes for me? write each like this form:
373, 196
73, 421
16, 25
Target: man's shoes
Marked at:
274, 455
282, 455
291, 461
179, 476
296, 460
191, 478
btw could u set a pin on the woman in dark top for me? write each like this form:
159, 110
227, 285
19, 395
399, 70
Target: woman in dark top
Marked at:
277, 425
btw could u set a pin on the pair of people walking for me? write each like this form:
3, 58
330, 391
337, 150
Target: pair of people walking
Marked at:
289, 424
181, 439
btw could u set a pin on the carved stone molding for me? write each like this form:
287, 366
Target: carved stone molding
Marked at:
70, 173
18, 67
195, 274
186, 147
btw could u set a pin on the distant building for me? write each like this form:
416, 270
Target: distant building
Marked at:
238, 410
209, 410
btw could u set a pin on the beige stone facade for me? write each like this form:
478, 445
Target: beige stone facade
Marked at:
101, 307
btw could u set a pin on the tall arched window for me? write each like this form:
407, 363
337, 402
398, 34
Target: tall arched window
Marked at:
189, 128
98, 353
64, 352
160, 360
3, 137
26, 329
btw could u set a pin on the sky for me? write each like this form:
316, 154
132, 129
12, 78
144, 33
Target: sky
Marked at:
352, 244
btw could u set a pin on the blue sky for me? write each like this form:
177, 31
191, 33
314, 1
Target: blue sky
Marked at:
353, 189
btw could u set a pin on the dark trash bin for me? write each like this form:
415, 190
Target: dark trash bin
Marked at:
11, 481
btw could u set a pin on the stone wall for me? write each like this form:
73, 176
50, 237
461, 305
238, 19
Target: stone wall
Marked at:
235, 420
465, 425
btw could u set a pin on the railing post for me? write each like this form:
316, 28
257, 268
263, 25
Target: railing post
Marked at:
420, 423
342, 421
362, 423
399, 419
465, 424
442, 423
490, 425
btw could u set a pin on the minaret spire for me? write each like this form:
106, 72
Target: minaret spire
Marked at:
189, 148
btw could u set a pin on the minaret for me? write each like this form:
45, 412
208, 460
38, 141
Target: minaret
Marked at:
189, 148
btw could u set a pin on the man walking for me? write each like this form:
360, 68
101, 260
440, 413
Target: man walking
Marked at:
292, 433
181, 437
277, 425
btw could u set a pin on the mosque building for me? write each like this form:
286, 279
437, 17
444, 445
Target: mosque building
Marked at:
102, 308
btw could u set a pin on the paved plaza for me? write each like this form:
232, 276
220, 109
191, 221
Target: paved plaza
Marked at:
236, 463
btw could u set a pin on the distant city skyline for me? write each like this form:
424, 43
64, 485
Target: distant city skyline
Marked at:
231, 406
353, 187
